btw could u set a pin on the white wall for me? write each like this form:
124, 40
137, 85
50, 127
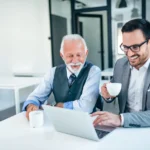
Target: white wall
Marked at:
5, 37
24, 36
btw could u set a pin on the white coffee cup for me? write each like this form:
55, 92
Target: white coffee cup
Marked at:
113, 88
36, 118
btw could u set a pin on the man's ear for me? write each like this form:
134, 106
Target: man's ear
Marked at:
148, 45
86, 52
61, 55
148, 42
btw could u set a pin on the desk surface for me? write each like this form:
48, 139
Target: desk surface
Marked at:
15, 133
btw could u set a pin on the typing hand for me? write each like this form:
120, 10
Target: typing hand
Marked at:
107, 119
93, 117
30, 108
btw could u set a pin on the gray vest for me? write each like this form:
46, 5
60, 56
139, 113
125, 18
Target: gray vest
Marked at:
61, 90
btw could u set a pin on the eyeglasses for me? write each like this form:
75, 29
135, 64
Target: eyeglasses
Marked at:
134, 48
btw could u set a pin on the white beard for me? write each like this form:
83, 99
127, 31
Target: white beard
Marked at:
75, 71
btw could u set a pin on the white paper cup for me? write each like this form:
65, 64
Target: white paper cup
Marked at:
113, 88
36, 119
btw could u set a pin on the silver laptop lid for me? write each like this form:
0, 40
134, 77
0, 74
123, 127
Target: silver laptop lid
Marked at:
71, 122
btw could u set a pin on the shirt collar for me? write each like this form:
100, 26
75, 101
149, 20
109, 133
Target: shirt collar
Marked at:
69, 73
144, 66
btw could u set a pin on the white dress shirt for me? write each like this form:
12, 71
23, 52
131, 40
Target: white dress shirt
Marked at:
135, 90
136, 85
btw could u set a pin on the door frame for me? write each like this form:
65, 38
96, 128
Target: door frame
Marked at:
106, 8
101, 32
51, 31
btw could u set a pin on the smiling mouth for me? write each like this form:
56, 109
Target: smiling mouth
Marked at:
75, 66
134, 57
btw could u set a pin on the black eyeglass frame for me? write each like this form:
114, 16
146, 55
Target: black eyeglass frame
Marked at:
133, 46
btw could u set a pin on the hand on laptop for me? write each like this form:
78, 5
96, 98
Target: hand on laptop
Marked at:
94, 117
30, 108
106, 119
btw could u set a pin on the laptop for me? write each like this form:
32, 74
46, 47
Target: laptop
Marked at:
76, 123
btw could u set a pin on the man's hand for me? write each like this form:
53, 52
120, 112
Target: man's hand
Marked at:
107, 119
104, 91
30, 108
61, 105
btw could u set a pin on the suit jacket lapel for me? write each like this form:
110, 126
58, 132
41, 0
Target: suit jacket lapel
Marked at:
125, 85
146, 84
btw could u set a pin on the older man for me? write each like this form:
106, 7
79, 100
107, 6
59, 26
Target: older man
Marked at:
75, 84
133, 71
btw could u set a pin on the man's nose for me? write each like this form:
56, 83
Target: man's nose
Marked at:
74, 59
129, 52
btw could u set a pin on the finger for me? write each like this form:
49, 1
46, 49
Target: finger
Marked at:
104, 85
100, 118
103, 123
105, 93
34, 108
103, 89
106, 123
98, 113
29, 109
27, 114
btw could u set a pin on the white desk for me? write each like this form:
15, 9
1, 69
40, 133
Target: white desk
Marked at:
16, 134
16, 84
107, 73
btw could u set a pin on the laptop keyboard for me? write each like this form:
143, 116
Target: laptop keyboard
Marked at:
101, 133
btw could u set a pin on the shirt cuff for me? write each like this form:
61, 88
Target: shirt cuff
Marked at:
68, 105
26, 103
122, 120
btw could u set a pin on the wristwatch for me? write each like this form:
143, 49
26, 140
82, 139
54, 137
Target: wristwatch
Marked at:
108, 100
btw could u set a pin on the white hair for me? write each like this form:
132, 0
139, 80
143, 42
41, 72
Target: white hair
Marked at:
72, 37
